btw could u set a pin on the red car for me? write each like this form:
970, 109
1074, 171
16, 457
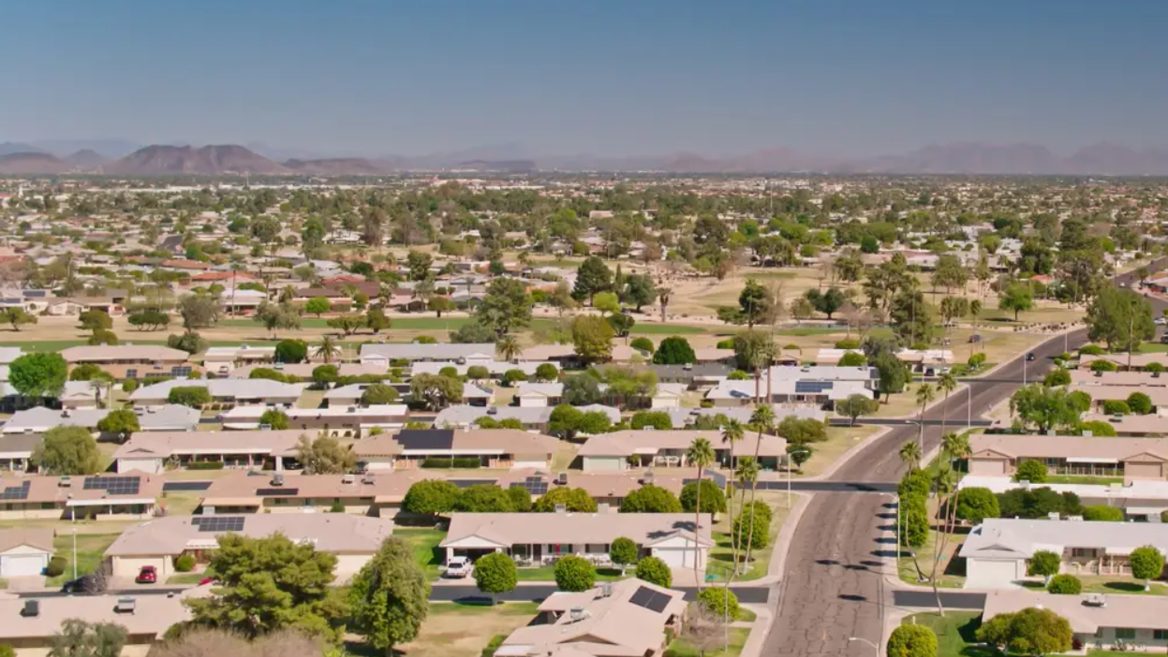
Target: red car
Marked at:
148, 575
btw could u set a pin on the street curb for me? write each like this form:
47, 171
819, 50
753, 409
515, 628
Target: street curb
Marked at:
762, 628
847, 456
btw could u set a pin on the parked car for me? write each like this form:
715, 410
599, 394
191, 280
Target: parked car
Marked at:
458, 567
148, 575
1030, 357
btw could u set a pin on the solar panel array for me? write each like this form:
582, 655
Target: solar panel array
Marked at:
813, 387
272, 492
650, 599
218, 523
113, 485
534, 485
15, 492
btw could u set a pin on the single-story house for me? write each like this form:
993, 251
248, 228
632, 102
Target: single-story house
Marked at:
127, 361
997, 551
668, 395
995, 455
607, 488
536, 540
38, 419
532, 418
385, 353
222, 361
822, 385
158, 542
337, 421
493, 448
25, 552
537, 395
497, 368
99, 497
1125, 361
156, 451
695, 377
303, 371
16, 450
372, 494
1097, 621
30, 626
223, 391
628, 617
621, 450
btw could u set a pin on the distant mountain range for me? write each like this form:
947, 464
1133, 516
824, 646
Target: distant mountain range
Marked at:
231, 159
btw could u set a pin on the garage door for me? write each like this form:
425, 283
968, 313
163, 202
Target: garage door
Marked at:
674, 558
983, 573
21, 565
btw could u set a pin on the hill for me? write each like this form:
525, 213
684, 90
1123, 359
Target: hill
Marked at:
205, 161
32, 163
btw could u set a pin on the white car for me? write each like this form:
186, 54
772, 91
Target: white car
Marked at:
458, 567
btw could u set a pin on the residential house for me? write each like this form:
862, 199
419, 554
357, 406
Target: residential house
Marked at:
303, 371
372, 493
384, 354
25, 551
1124, 361
222, 361
229, 392
532, 418
668, 395
534, 540
16, 451
622, 450
538, 395
492, 448
127, 361
1098, 621
335, 421
998, 455
98, 497
38, 419
812, 384
31, 625
352, 539
156, 452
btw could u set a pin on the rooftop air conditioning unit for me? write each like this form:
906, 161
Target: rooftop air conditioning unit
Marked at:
31, 609
606, 590
577, 614
562, 479
1095, 600
278, 479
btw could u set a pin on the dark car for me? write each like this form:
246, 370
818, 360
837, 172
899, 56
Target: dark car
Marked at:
84, 585
1030, 357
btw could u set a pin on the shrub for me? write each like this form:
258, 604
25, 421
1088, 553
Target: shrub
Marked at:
1058, 377
741, 531
912, 641
719, 601
1097, 428
336, 507
546, 372
1103, 512
853, 359
1140, 403
1116, 407
976, 504
1065, 585
451, 462
511, 377
1103, 366
1091, 350
493, 645
642, 344
658, 420
1032, 471
477, 373
574, 573
56, 566
847, 343
184, 563
728, 343
205, 465
713, 499
654, 571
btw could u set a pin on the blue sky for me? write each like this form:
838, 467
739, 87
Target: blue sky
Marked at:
613, 77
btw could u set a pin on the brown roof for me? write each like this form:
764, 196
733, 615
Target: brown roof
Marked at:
626, 443
385, 488
107, 353
1084, 447
63, 490
37, 537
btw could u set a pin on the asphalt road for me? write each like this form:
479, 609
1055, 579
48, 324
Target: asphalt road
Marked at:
832, 587
532, 592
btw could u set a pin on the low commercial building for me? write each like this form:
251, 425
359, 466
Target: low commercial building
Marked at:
621, 450
997, 551
158, 542
131, 361
534, 539
630, 617
1098, 622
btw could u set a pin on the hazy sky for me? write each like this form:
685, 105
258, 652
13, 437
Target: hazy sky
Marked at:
613, 77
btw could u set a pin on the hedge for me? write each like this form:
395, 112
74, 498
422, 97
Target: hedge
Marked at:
455, 462
205, 465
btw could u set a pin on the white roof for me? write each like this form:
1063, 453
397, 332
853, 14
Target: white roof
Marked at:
1006, 538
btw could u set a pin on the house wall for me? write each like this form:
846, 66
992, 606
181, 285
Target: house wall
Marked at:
603, 463
130, 566
147, 465
993, 573
23, 561
989, 467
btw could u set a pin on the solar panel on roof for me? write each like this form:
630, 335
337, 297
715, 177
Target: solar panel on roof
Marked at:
533, 485
15, 492
650, 599
113, 485
218, 523
426, 438
271, 492
185, 486
813, 387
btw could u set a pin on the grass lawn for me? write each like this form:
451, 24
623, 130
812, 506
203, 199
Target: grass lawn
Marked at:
681, 648
955, 633
424, 542
1119, 584
722, 554
181, 503
901, 404
839, 440
1082, 479
460, 630
455, 323
1153, 347
186, 578
90, 549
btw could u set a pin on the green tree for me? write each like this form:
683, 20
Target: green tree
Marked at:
949, 272
592, 338
639, 291
506, 306
1031, 631
347, 324
1017, 297
892, 374
1121, 318
658, 420
674, 350
855, 406
606, 302
546, 372
1031, 470
376, 320
650, 498
508, 347
483, 498
317, 306
277, 316
1044, 563
435, 391
325, 455
40, 374
89, 372
720, 602
827, 302
431, 497
755, 304
496, 573
1147, 563
593, 276
389, 597
275, 419
753, 350
1045, 408
711, 497
419, 264
95, 320
379, 393
273, 583
78, 638
17, 317
291, 351
193, 396
1065, 585
198, 311
654, 571
572, 499
121, 423
912, 641
623, 552
67, 451
574, 573
976, 504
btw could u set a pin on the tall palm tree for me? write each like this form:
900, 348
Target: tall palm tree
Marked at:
763, 418
947, 383
974, 312
910, 455
954, 447
700, 454
925, 396
945, 484
747, 475
508, 347
328, 349
733, 432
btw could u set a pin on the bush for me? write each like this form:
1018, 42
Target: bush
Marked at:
654, 571
728, 343
184, 563
976, 504
650, 499
1032, 471
1103, 366
477, 373
719, 601
741, 531
205, 465
493, 645
1103, 512
658, 420
511, 377
336, 507
912, 641
642, 344
1091, 350
1065, 585
574, 573
1058, 377
547, 372
1116, 407
847, 343
1097, 428
853, 359
1140, 403
713, 499
56, 566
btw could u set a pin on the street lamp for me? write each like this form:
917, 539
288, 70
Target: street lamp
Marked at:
863, 640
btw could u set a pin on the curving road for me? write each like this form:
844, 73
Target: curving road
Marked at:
832, 587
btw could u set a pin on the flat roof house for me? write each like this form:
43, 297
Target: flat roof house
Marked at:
98, 497
493, 448
156, 451
38, 419
385, 353
126, 361
534, 539
621, 450
157, 542
32, 633
628, 617
224, 391
1131, 458
222, 361
997, 551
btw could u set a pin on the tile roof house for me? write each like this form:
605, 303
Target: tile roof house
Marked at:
25, 552
100, 497
130, 361
373, 493
628, 617
543, 538
494, 448
336, 421
156, 451
229, 391
998, 455
150, 618
38, 419
16, 450
1097, 621
614, 451
352, 539
533, 418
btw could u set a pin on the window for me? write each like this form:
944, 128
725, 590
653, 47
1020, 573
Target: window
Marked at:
1126, 633
1083, 552
131, 373
180, 371
1160, 635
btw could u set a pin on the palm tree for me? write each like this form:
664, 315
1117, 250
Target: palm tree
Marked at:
701, 455
328, 349
945, 483
508, 347
954, 447
732, 433
763, 418
925, 396
947, 383
974, 311
910, 455
746, 474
